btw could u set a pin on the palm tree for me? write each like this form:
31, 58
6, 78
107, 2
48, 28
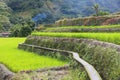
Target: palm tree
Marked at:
96, 8
49, 7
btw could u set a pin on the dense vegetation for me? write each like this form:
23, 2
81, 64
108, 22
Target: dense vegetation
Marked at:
16, 12
9, 20
19, 60
4, 19
23, 29
70, 8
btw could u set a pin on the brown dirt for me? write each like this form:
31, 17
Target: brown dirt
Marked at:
5, 74
43, 74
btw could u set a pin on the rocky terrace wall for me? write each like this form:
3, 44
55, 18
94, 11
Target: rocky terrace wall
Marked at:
5, 74
89, 21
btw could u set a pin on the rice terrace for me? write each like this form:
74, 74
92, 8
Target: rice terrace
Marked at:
59, 40
18, 60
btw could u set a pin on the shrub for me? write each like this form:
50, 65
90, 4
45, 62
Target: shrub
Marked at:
22, 30
112, 21
25, 31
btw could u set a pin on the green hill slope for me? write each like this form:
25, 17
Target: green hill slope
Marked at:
5, 12
48, 11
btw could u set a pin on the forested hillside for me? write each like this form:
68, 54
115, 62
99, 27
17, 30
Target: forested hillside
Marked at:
48, 11
71, 7
5, 12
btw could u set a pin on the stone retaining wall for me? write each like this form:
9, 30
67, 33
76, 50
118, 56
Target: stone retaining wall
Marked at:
36, 39
89, 21
5, 74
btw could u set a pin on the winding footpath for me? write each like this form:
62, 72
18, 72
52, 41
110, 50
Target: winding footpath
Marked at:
93, 74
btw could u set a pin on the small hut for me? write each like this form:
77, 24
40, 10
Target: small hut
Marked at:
5, 34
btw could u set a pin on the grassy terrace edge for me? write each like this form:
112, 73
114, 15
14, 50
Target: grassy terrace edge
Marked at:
70, 27
107, 37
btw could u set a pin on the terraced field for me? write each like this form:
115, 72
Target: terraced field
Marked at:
107, 37
18, 60
103, 28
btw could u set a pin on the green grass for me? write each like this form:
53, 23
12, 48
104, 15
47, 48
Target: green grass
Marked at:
80, 27
108, 37
19, 60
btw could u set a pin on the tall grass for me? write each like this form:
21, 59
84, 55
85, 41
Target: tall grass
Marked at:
18, 60
103, 28
79, 27
107, 37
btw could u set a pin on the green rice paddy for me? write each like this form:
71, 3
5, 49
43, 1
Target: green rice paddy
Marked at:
83, 27
19, 60
107, 37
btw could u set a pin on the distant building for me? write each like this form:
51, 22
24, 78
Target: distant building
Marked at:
5, 34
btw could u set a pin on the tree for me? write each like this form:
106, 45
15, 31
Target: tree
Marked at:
102, 13
30, 23
15, 30
22, 30
25, 31
1, 27
97, 10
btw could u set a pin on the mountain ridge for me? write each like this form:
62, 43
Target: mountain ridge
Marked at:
59, 9
79, 6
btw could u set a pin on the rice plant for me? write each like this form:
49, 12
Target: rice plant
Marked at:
19, 60
107, 37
